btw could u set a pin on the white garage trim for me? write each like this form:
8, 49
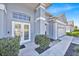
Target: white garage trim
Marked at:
60, 30
60, 22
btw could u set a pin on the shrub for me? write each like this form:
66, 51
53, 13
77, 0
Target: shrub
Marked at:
75, 33
76, 30
43, 41
76, 49
9, 46
69, 33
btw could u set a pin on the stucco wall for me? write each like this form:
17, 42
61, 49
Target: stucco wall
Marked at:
40, 20
57, 29
22, 9
1, 23
52, 31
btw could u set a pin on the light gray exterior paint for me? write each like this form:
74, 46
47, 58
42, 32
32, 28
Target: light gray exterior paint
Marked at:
6, 23
39, 23
52, 30
61, 30
1, 23
57, 27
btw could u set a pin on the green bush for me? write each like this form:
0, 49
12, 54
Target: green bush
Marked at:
9, 46
77, 49
74, 33
43, 41
69, 33
76, 30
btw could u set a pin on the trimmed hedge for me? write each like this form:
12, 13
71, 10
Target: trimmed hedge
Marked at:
77, 49
76, 30
9, 46
69, 33
43, 41
75, 33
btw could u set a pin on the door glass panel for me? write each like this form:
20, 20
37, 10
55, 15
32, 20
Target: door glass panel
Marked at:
26, 32
17, 29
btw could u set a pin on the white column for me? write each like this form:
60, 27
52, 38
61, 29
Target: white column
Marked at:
52, 30
2, 22
55, 31
40, 20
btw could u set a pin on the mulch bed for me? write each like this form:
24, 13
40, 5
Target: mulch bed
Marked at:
41, 50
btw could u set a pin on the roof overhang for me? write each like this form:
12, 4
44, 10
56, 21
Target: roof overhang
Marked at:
33, 6
48, 14
46, 4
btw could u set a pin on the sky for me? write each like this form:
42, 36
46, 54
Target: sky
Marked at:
71, 11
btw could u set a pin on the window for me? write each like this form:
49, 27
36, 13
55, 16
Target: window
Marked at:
26, 32
17, 29
18, 15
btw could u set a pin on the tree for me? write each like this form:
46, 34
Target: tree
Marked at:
76, 28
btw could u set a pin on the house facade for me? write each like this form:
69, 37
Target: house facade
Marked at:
57, 26
28, 20
70, 26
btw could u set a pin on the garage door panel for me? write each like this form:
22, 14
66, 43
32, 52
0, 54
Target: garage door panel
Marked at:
61, 30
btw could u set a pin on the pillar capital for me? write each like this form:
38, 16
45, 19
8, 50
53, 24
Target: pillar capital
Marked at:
44, 5
40, 6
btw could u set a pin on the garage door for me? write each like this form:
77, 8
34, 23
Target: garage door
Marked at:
61, 30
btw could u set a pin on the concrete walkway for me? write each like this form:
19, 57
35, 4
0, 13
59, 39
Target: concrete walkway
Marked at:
75, 40
60, 48
29, 50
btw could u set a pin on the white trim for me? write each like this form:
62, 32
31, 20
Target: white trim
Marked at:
57, 21
60, 22
2, 7
40, 6
40, 18
29, 33
22, 28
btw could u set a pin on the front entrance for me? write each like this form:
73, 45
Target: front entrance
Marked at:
21, 29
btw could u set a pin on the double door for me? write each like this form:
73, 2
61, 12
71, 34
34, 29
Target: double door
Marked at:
21, 29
